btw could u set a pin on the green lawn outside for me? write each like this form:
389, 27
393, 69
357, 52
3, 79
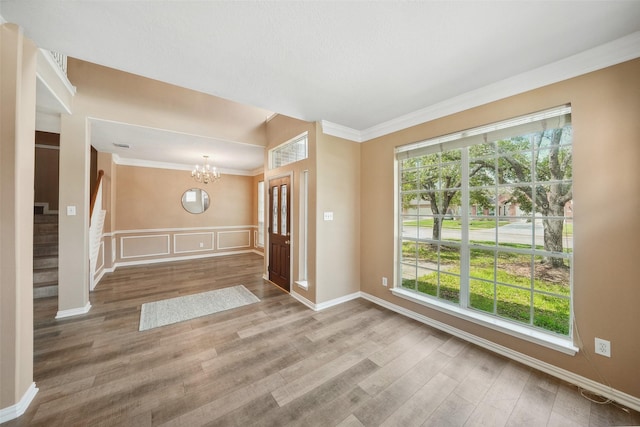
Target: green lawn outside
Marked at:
549, 312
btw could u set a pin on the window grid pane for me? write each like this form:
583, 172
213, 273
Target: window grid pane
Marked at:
289, 152
519, 220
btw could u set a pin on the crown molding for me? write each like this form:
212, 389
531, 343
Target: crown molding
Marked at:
257, 171
330, 128
123, 161
606, 55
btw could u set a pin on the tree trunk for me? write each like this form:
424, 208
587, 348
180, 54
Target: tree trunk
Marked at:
437, 228
553, 238
553, 202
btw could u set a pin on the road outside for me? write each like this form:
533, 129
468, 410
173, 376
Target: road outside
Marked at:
516, 232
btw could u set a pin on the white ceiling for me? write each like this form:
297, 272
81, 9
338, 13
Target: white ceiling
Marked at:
356, 65
162, 148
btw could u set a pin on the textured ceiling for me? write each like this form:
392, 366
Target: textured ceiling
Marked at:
355, 64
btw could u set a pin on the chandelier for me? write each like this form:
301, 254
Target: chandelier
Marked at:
205, 173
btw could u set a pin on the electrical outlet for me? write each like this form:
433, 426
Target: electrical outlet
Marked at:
384, 281
603, 347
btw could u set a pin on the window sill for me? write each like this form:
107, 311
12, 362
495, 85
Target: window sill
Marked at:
564, 345
302, 284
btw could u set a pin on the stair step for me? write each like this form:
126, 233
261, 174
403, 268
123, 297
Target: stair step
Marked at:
45, 228
45, 218
45, 284
47, 261
45, 291
45, 276
44, 249
45, 238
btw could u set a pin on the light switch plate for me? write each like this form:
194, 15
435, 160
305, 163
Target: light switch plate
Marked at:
71, 210
328, 216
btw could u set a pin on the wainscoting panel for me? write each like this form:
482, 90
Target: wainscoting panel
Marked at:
144, 246
100, 263
193, 242
234, 239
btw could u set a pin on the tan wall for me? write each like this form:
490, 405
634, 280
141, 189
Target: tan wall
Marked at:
605, 116
105, 93
151, 198
337, 241
151, 224
73, 237
280, 129
17, 130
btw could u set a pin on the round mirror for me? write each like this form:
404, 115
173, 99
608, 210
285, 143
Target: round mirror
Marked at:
195, 200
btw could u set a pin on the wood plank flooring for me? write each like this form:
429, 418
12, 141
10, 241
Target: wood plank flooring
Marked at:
275, 363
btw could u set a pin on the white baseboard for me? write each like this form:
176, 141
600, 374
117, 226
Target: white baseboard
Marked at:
73, 311
570, 377
14, 411
324, 305
303, 300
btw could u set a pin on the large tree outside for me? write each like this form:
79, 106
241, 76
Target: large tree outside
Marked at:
518, 220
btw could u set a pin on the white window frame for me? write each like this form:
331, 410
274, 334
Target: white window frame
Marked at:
261, 212
289, 151
467, 138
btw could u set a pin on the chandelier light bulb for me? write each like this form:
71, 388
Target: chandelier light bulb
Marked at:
206, 173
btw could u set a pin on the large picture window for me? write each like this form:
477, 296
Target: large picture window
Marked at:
485, 222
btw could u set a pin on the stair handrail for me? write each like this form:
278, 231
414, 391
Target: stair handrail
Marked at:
94, 193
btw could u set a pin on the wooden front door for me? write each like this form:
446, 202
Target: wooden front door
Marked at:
280, 232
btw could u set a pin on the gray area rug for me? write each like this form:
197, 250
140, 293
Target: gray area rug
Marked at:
174, 310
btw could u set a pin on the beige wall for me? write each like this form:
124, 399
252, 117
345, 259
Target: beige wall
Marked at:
17, 130
73, 237
105, 93
151, 198
337, 241
605, 116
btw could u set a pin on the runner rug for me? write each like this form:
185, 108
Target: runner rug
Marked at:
174, 310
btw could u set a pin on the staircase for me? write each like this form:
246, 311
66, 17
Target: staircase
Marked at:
45, 255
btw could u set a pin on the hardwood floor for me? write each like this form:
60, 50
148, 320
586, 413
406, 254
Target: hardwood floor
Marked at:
275, 363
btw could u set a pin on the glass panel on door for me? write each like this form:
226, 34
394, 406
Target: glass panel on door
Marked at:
283, 222
275, 210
